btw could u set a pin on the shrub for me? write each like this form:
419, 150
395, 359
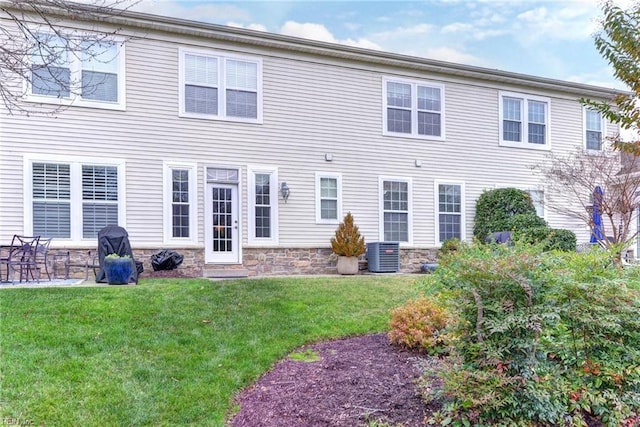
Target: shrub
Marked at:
542, 338
347, 240
450, 246
524, 221
419, 325
550, 238
495, 208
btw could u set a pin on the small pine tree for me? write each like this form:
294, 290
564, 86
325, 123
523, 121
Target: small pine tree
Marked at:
348, 241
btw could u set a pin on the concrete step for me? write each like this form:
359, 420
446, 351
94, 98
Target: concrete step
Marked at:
225, 273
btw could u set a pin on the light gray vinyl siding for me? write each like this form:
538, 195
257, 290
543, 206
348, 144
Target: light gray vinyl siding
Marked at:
311, 106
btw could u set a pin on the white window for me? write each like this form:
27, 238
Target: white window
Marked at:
524, 121
414, 109
78, 70
220, 86
263, 205
537, 197
73, 200
328, 198
593, 129
450, 211
180, 220
395, 210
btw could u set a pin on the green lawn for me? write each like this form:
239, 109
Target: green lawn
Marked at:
169, 352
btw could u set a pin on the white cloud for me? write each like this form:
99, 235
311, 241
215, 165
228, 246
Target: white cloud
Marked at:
574, 22
601, 77
406, 34
203, 12
453, 55
457, 27
321, 33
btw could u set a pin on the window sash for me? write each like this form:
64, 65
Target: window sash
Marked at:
262, 207
180, 204
593, 130
328, 198
395, 206
449, 211
51, 195
99, 199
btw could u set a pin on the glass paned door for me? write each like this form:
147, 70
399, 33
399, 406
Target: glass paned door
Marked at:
222, 223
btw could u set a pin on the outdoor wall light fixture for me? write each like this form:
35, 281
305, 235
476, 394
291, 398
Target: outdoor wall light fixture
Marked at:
284, 191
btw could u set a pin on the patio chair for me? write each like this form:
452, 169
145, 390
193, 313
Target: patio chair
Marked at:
22, 256
42, 256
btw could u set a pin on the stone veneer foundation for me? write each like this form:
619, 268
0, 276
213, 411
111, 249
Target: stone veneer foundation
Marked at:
256, 261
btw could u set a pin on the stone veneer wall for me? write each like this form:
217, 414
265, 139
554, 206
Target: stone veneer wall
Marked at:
256, 261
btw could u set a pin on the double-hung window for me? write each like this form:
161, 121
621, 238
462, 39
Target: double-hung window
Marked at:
220, 86
395, 207
524, 121
593, 128
328, 198
77, 70
73, 200
263, 205
413, 108
180, 203
450, 211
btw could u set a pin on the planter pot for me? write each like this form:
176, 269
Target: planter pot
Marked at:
347, 265
118, 270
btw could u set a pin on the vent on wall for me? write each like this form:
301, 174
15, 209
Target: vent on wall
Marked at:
383, 257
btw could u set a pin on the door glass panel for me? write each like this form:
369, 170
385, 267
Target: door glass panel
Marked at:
222, 220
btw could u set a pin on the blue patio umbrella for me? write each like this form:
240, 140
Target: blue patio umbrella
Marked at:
597, 233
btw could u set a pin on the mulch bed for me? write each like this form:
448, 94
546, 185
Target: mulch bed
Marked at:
355, 381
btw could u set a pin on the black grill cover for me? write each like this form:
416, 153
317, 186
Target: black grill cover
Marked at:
166, 260
114, 239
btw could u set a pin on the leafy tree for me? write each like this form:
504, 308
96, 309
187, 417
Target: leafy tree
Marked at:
27, 29
619, 43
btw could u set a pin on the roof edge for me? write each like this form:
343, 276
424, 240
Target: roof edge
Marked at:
266, 39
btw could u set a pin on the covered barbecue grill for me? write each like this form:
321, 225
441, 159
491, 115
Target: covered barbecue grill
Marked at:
114, 239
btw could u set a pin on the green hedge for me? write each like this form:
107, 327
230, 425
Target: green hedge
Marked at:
504, 209
551, 238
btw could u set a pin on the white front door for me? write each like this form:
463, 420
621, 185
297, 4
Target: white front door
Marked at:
222, 229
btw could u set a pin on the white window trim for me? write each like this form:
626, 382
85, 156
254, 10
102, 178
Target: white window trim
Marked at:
338, 178
525, 121
167, 197
603, 125
251, 199
221, 57
409, 181
75, 98
463, 209
414, 109
75, 164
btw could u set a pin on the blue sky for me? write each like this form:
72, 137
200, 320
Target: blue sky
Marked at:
544, 38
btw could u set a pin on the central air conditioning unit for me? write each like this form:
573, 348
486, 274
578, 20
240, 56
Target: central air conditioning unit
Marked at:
383, 257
